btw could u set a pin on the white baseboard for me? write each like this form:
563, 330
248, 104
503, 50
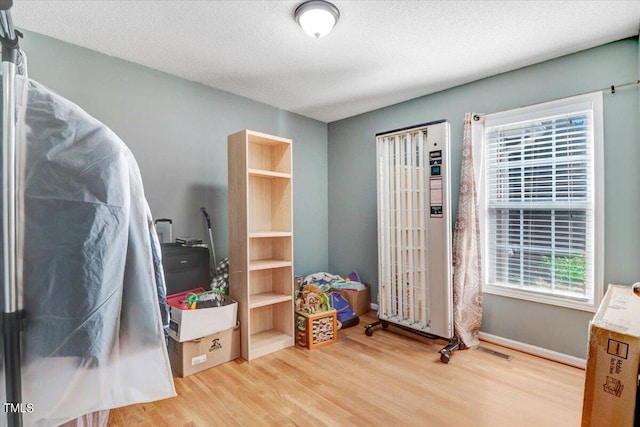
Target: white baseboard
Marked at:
534, 350
528, 348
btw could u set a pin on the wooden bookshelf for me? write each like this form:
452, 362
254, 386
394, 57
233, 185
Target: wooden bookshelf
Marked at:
261, 240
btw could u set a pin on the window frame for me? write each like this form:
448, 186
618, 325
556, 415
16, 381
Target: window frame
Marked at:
594, 102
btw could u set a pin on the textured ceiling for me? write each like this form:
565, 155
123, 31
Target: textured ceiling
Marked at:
380, 52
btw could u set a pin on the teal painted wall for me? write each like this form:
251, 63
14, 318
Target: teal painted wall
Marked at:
177, 131
352, 186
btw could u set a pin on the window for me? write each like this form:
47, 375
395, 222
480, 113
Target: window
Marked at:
542, 204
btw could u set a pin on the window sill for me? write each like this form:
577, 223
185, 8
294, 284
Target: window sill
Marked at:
582, 304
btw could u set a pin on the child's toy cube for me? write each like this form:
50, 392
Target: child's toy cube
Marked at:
316, 330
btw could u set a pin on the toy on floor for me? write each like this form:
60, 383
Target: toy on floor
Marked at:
312, 299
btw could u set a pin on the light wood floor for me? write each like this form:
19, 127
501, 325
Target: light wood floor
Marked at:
388, 379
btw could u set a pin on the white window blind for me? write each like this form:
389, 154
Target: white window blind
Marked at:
540, 203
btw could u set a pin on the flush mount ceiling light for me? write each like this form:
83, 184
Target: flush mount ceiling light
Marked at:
317, 17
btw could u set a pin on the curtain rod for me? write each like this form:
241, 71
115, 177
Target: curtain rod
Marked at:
611, 88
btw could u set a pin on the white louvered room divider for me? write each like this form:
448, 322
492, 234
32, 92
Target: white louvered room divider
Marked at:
414, 229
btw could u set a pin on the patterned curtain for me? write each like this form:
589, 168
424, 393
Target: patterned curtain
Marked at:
467, 277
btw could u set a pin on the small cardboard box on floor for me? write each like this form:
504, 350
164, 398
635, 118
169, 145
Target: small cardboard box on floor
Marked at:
190, 357
611, 383
360, 301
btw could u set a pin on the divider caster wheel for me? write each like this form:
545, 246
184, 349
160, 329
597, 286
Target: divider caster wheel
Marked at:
444, 356
368, 331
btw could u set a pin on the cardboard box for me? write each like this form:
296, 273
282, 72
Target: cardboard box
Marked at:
187, 325
316, 330
190, 357
360, 301
612, 363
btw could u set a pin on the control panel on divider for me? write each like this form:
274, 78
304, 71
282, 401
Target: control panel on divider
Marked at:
435, 183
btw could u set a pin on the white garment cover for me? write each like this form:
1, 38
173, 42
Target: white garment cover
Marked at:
94, 337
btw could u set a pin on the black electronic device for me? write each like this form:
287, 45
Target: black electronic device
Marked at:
185, 267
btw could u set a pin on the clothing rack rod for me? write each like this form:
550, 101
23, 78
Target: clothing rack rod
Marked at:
13, 314
10, 226
6, 24
9, 188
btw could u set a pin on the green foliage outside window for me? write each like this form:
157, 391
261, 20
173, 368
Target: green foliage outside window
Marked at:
571, 270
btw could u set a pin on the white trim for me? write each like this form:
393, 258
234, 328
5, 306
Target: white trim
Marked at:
541, 297
535, 351
592, 101
550, 108
598, 193
528, 348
